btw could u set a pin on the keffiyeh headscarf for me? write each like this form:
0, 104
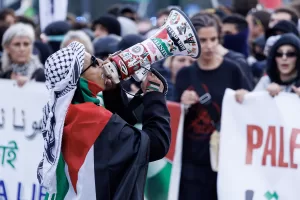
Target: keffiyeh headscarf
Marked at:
62, 71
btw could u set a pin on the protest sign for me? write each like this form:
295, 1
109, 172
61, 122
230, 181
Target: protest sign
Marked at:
259, 147
21, 141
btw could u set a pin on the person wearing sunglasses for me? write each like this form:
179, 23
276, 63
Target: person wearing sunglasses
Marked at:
92, 152
283, 68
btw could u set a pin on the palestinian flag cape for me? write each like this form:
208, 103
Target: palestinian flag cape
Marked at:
163, 178
95, 161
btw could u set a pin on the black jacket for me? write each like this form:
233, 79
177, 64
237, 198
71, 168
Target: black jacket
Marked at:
139, 147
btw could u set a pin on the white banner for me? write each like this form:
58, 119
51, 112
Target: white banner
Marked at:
260, 148
52, 10
21, 142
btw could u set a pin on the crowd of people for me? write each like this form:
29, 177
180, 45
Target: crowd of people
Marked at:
256, 52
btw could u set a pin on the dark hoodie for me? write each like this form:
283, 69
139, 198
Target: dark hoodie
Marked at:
272, 70
282, 27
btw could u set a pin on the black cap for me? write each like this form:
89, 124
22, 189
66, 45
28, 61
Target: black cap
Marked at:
283, 26
105, 46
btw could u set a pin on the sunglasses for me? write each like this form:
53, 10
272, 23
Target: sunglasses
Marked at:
288, 54
94, 63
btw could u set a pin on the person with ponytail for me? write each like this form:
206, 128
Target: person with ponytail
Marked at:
201, 88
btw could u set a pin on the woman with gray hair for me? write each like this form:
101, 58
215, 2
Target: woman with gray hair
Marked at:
18, 61
79, 36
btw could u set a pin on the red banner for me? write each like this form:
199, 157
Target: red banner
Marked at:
175, 113
271, 4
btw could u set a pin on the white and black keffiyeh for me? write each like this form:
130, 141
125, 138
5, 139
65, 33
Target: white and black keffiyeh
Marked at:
62, 71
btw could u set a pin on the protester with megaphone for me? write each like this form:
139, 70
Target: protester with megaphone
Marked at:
201, 87
92, 152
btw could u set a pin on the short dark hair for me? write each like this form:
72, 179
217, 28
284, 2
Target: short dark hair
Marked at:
238, 20
293, 13
205, 19
110, 22
26, 20
5, 12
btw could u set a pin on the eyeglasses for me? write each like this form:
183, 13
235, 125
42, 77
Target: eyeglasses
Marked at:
288, 54
94, 63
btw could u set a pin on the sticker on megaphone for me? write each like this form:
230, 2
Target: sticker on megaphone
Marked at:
141, 73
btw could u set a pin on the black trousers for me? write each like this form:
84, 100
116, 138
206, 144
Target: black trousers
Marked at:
197, 183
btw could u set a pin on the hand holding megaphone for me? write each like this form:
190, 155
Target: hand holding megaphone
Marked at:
176, 37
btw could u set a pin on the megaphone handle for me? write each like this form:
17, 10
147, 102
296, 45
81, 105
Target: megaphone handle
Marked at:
163, 80
137, 99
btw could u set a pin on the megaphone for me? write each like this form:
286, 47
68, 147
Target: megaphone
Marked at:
176, 37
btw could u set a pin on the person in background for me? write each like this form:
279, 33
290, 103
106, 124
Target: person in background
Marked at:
71, 18
18, 62
169, 68
258, 22
173, 64
8, 16
283, 68
80, 23
286, 13
209, 77
161, 16
78, 36
231, 55
105, 46
3, 27
128, 12
43, 50
242, 7
114, 9
54, 34
144, 26
235, 34
128, 27
258, 46
106, 25
283, 26
220, 12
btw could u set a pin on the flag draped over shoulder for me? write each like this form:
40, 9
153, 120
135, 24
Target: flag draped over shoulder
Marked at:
89, 153
83, 126
98, 160
163, 176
